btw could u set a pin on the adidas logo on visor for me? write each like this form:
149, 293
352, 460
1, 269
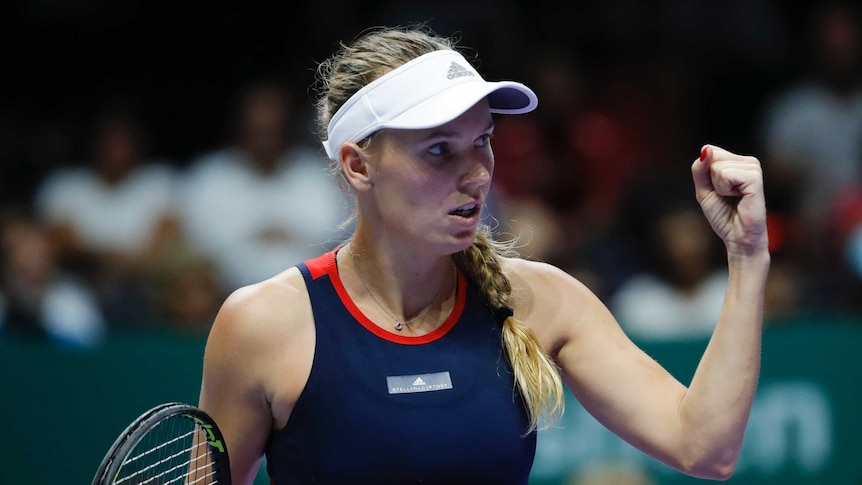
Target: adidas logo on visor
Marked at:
457, 70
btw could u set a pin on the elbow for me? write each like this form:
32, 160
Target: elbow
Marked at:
710, 454
722, 472
713, 467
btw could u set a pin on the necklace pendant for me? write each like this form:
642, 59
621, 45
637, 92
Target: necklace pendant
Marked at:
399, 326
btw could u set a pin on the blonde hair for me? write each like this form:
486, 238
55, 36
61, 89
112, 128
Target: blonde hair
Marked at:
370, 56
536, 374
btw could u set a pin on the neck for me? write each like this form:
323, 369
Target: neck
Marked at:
412, 294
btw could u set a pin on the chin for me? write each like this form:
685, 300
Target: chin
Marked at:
462, 241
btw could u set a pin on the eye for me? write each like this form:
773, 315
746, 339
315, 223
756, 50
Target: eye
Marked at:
439, 150
483, 141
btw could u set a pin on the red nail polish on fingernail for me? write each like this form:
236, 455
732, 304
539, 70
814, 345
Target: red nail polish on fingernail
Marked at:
703, 153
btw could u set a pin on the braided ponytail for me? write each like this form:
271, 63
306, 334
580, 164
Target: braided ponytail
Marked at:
536, 374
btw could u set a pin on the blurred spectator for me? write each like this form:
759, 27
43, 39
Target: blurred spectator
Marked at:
812, 139
812, 129
678, 292
849, 214
37, 299
265, 200
535, 153
535, 176
185, 290
111, 219
565, 170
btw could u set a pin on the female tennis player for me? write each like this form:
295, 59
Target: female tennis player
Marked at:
422, 351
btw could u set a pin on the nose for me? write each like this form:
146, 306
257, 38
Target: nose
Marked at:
479, 172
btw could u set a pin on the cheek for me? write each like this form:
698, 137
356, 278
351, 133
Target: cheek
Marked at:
424, 196
403, 192
421, 198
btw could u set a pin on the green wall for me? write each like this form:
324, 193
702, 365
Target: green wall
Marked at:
805, 425
61, 410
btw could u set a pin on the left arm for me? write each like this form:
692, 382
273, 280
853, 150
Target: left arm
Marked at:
696, 429
716, 406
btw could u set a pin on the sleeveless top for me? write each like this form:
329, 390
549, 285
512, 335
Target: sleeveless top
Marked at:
382, 408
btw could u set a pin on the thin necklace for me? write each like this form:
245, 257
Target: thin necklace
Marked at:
399, 324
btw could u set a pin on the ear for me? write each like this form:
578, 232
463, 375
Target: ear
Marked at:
354, 166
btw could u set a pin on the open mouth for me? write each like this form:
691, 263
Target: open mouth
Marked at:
466, 211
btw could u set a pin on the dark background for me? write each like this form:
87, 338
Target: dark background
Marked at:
182, 61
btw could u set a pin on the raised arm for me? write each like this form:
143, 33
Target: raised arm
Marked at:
696, 429
715, 409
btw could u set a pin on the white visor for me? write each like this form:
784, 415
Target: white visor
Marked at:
427, 92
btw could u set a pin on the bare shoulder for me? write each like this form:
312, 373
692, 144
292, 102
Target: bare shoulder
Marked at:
257, 358
536, 281
555, 304
260, 313
262, 331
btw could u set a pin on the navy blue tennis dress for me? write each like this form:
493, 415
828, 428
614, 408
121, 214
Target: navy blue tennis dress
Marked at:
382, 408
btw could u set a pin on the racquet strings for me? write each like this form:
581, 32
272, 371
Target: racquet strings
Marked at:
174, 451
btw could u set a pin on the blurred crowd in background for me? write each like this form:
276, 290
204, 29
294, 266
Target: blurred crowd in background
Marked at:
154, 159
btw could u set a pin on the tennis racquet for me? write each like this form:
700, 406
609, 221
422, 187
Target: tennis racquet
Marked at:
172, 443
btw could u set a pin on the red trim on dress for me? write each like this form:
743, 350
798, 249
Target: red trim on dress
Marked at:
326, 264
321, 265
